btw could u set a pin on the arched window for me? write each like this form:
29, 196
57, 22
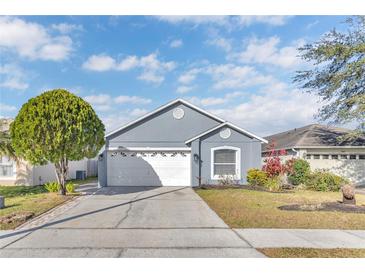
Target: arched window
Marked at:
225, 161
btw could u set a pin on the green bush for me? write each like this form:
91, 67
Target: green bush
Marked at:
52, 186
256, 177
325, 181
299, 171
273, 184
70, 188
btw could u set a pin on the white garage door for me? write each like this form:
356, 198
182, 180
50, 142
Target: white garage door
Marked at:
150, 168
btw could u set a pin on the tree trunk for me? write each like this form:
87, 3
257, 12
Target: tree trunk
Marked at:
61, 172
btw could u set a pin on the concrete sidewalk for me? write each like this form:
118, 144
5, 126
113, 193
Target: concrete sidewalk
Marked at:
306, 238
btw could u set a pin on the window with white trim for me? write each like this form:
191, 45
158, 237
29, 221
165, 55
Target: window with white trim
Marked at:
6, 167
226, 161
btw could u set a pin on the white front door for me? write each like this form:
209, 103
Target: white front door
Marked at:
149, 168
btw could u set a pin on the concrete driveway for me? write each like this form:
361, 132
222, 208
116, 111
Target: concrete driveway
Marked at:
130, 222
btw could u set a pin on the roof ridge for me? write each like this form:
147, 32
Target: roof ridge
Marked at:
310, 127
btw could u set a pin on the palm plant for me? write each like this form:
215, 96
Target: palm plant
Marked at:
6, 148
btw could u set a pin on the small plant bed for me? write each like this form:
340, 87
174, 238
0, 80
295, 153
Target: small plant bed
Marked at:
248, 187
313, 252
330, 206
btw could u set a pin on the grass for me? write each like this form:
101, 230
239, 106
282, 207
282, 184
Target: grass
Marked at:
34, 203
242, 208
13, 191
313, 253
33, 199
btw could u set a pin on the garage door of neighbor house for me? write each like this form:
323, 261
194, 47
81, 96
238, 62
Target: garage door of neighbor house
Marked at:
149, 168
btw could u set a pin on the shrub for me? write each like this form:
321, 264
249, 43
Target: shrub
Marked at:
298, 171
52, 186
273, 165
325, 181
70, 188
256, 177
273, 184
226, 180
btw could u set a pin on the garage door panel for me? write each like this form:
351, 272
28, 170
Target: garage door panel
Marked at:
154, 168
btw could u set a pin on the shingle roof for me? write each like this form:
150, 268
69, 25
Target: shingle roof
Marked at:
312, 135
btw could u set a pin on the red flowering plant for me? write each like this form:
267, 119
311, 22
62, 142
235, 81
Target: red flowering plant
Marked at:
273, 165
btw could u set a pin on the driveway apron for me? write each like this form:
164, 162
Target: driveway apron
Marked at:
131, 222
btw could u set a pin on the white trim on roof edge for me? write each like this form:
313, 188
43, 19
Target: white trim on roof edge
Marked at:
229, 125
149, 148
161, 108
319, 147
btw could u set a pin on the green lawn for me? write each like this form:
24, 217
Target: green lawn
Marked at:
313, 253
32, 199
242, 208
34, 203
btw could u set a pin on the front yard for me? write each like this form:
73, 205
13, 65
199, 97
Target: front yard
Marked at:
243, 208
30, 201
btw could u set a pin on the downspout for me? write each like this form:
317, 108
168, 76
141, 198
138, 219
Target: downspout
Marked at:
199, 161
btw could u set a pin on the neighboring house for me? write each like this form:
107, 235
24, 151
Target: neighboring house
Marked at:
322, 147
178, 144
23, 173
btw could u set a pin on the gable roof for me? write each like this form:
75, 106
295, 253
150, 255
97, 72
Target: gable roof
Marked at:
229, 125
314, 135
179, 100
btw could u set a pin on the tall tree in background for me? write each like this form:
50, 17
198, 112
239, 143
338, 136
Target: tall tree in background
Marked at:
57, 126
337, 74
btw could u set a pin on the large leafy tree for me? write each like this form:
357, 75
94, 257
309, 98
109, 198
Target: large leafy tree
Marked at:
57, 126
337, 74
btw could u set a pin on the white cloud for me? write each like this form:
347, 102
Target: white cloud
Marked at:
276, 108
152, 69
138, 112
32, 40
221, 43
227, 76
128, 63
176, 43
65, 28
230, 76
13, 77
188, 76
100, 102
267, 51
184, 89
98, 99
99, 63
6, 108
213, 101
229, 22
311, 25
272, 20
104, 102
123, 99
116, 120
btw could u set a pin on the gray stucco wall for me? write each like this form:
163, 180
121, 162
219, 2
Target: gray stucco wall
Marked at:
163, 130
250, 154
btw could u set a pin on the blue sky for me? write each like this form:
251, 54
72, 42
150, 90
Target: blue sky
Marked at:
239, 68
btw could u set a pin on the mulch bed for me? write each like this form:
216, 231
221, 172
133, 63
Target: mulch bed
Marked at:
249, 187
330, 206
16, 217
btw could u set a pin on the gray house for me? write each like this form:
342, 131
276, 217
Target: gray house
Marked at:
178, 144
